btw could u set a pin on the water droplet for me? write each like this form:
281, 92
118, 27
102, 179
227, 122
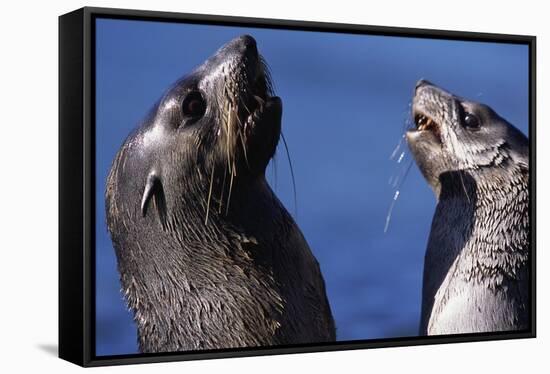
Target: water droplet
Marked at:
396, 195
398, 184
390, 211
401, 157
397, 147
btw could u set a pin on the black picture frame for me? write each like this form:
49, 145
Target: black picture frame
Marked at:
77, 181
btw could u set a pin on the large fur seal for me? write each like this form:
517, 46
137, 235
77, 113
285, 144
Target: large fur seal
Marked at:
476, 275
208, 256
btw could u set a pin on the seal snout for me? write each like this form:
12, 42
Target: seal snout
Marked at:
248, 82
245, 51
424, 121
246, 44
426, 109
421, 83
250, 114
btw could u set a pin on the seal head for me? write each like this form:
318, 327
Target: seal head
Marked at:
208, 256
476, 276
222, 115
455, 134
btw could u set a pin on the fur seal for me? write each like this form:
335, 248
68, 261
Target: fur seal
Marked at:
208, 256
476, 272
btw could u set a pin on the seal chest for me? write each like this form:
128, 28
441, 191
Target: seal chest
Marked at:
476, 276
208, 256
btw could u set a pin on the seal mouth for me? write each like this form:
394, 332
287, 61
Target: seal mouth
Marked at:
259, 94
426, 124
249, 122
249, 117
250, 125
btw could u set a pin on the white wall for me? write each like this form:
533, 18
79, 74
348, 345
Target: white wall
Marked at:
28, 185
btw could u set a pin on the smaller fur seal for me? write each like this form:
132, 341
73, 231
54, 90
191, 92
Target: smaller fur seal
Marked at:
208, 256
476, 273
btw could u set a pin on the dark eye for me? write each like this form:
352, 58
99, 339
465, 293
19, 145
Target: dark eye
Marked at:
471, 121
193, 105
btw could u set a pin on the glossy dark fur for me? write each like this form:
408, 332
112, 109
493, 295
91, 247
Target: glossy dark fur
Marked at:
208, 256
476, 276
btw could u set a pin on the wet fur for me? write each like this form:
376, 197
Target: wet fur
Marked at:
208, 256
476, 276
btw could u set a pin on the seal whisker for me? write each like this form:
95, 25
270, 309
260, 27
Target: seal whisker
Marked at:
398, 184
397, 147
291, 174
231, 119
220, 203
229, 193
270, 86
244, 149
401, 171
454, 164
241, 135
274, 170
242, 102
209, 197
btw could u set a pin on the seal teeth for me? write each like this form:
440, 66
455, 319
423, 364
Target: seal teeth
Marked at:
424, 123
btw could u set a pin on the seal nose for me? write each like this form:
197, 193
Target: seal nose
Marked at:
247, 40
422, 82
245, 44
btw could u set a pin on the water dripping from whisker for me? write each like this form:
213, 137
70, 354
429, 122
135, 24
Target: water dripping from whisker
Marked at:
398, 184
395, 182
401, 156
397, 147
408, 122
388, 217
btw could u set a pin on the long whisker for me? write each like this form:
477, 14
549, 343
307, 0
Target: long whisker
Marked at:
274, 170
241, 136
223, 190
456, 166
464, 186
291, 174
230, 190
244, 149
397, 180
270, 86
230, 146
396, 195
209, 197
243, 101
397, 147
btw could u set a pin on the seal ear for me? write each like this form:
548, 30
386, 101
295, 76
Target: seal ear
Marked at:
153, 188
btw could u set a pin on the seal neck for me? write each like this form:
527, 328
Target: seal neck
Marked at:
489, 219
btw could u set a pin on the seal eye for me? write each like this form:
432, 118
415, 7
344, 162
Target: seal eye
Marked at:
193, 105
471, 121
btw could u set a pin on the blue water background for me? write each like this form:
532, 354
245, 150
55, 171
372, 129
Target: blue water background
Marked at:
346, 100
